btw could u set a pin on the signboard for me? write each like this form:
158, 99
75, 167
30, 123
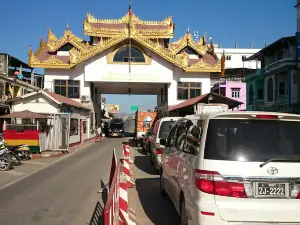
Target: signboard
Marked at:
211, 108
133, 108
113, 108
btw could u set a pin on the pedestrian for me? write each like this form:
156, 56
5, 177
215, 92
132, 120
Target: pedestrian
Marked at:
99, 134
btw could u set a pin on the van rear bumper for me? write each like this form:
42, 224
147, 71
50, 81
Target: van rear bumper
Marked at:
197, 217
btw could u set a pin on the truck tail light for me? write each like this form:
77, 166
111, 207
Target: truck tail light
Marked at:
212, 182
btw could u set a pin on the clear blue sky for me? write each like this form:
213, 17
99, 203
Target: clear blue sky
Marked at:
227, 22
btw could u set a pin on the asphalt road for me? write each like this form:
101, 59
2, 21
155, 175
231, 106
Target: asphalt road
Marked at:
63, 193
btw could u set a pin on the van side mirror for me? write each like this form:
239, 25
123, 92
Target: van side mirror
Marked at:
163, 142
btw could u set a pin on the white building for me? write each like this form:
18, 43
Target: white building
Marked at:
235, 57
83, 70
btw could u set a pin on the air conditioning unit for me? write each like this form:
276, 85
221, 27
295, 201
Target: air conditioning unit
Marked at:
85, 98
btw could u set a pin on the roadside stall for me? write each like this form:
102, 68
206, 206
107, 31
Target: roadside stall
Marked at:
25, 127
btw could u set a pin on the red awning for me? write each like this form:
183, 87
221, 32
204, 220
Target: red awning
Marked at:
25, 114
216, 98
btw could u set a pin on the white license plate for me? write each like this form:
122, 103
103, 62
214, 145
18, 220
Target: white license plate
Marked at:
271, 190
115, 134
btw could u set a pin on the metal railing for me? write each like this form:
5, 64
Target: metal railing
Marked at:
282, 99
279, 63
21, 127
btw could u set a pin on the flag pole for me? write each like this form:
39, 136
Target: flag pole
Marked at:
129, 32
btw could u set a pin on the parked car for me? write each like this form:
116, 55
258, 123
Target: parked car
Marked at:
147, 140
161, 130
233, 168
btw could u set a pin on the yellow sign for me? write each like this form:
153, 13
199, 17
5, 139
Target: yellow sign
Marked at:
113, 108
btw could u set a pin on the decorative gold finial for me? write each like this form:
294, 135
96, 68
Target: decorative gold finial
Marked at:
41, 41
30, 51
204, 39
223, 63
212, 47
51, 36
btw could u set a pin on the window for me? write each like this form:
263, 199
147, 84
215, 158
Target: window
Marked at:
260, 94
279, 54
281, 88
228, 57
251, 94
187, 90
270, 89
165, 128
252, 140
122, 55
67, 47
67, 88
189, 51
244, 57
73, 127
84, 127
180, 140
235, 92
194, 133
171, 137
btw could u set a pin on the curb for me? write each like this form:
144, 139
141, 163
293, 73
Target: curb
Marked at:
58, 153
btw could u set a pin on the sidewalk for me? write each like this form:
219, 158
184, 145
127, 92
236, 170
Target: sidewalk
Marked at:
145, 199
38, 162
51, 154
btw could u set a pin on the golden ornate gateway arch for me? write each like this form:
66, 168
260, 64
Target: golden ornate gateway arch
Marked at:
153, 35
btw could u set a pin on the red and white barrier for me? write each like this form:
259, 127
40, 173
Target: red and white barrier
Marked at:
116, 208
126, 153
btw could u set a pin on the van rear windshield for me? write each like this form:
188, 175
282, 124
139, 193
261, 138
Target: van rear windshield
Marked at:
165, 128
252, 140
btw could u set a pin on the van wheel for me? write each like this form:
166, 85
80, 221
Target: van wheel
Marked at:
183, 212
161, 186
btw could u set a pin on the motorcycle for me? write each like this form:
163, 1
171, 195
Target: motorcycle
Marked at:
144, 143
5, 163
12, 156
22, 151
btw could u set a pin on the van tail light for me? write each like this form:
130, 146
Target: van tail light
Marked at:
212, 182
298, 196
266, 117
159, 151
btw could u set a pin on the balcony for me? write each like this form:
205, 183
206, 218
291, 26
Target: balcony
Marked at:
282, 99
279, 64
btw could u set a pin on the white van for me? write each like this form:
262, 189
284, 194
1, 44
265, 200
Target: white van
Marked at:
161, 130
234, 168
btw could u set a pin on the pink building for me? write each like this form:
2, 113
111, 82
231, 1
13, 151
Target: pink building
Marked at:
233, 88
